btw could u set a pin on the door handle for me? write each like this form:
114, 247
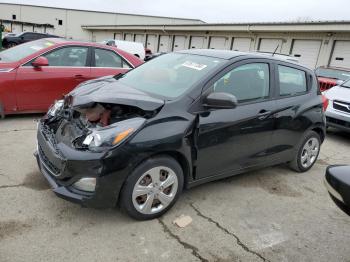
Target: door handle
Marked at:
79, 77
263, 114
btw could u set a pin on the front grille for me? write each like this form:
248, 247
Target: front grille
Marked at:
341, 106
326, 85
48, 165
338, 122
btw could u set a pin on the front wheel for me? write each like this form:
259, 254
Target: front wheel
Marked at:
152, 188
307, 154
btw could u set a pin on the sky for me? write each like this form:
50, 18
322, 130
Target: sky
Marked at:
214, 11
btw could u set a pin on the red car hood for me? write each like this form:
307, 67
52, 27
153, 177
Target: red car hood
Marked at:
8, 65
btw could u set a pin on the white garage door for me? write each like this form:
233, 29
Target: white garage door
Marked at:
118, 36
164, 43
270, 45
39, 29
197, 42
27, 28
128, 37
241, 44
152, 43
219, 42
341, 54
179, 42
306, 51
16, 28
140, 38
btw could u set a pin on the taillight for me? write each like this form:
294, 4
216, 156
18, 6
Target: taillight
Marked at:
325, 103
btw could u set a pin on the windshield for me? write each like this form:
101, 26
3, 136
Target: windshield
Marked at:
346, 84
333, 73
170, 75
21, 51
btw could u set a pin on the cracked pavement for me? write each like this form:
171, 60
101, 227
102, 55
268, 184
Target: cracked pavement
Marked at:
272, 214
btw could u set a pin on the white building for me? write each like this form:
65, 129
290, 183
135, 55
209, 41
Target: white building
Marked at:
313, 43
68, 22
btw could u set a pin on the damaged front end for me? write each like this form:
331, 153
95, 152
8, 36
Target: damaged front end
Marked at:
74, 144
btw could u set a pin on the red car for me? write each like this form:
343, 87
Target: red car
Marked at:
34, 74
331, 76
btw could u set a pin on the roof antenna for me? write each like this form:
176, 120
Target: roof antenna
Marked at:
274, 52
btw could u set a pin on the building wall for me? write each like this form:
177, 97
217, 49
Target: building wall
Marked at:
72, 20
326, 39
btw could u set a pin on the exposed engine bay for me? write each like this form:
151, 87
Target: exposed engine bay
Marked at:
102, 115
73, 125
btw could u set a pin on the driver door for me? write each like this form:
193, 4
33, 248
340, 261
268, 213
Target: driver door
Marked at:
37, 88
230, 140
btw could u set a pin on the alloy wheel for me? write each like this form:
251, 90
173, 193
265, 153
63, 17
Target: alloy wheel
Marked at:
310, 152
155, 190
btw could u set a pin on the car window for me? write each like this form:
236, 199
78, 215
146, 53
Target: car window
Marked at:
292, 81
247, 82
74, 56
107, 58
21, 51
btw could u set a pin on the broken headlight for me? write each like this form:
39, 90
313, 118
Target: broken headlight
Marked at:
113, 135
56, 107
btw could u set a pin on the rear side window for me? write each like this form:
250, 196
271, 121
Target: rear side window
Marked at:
107, 58
292, 81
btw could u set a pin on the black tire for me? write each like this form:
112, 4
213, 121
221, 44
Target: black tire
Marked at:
126, 197
296, 164
10, 44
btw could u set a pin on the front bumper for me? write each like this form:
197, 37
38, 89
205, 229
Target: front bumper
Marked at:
63, 166
338, 119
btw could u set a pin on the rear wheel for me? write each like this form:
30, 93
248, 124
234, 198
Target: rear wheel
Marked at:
307, 154
152, 188
11, 44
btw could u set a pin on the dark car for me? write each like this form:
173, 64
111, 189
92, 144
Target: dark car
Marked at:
13, 40
178, 121
331, 76
337, 181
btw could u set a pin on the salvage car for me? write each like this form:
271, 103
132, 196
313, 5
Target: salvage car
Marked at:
180, 120
35, 74
337, 181
12, 40
331, 76
338, 108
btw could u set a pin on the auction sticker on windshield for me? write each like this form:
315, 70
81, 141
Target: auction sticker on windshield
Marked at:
194, 65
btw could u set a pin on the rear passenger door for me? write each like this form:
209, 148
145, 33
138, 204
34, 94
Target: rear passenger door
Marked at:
107, 62
293, 104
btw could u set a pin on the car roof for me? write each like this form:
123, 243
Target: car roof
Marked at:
228, 54
63, 41
336, 68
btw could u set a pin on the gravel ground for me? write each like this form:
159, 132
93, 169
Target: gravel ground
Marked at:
273, 214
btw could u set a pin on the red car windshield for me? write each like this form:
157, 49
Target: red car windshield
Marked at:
21, 51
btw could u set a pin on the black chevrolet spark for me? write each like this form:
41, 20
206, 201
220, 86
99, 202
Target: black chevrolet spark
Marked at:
180, 120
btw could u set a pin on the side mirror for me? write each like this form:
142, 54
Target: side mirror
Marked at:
337, 182
40, 61
220, 100
339, 82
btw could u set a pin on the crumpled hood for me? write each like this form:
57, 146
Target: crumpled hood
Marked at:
109, 90
338, 93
